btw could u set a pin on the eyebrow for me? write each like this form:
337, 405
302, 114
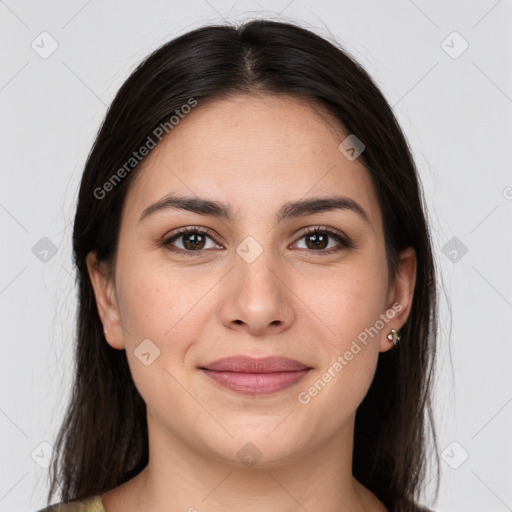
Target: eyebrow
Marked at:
289, 210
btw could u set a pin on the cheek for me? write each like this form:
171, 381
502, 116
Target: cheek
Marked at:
161, 321
349, 355
166, 306
155, 300
346, 306
334, 395
345, 302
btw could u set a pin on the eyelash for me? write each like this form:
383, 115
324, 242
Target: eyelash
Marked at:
344, 241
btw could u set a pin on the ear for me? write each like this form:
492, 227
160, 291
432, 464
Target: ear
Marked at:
400, 296
106, 301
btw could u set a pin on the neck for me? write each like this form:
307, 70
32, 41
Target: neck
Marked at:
188, 479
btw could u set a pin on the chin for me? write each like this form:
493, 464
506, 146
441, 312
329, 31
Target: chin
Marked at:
258, 446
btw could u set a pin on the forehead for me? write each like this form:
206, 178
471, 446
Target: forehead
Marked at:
254, 152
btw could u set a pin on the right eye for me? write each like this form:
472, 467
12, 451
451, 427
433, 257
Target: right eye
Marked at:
192, 240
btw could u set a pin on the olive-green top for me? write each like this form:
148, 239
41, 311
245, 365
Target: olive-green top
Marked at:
92, 504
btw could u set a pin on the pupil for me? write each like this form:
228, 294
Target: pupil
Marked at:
196, 240
318, 243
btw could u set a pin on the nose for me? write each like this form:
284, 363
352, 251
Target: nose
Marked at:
256, 298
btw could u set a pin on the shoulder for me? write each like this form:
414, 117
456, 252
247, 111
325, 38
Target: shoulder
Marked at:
92, 504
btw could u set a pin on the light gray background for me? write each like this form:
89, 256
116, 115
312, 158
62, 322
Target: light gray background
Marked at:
454, 107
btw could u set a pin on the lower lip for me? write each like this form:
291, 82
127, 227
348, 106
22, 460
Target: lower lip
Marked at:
256, 383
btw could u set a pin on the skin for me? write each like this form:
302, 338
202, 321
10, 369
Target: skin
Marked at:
254, 153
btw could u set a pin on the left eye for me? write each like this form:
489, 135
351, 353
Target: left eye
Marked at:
194, 240
318, 240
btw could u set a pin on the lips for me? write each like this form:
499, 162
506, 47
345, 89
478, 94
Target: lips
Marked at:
246, 364
248, 375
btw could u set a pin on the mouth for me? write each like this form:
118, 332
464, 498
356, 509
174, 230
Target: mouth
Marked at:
255, 376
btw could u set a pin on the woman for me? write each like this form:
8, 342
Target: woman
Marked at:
257, 294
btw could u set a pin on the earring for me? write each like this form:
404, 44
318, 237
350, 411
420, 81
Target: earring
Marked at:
394, 336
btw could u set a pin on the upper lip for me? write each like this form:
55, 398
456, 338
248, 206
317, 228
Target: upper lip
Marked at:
245, 364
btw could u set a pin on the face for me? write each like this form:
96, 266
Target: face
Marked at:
308, 283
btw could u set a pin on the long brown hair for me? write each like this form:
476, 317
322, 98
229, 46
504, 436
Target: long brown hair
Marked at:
103, 440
